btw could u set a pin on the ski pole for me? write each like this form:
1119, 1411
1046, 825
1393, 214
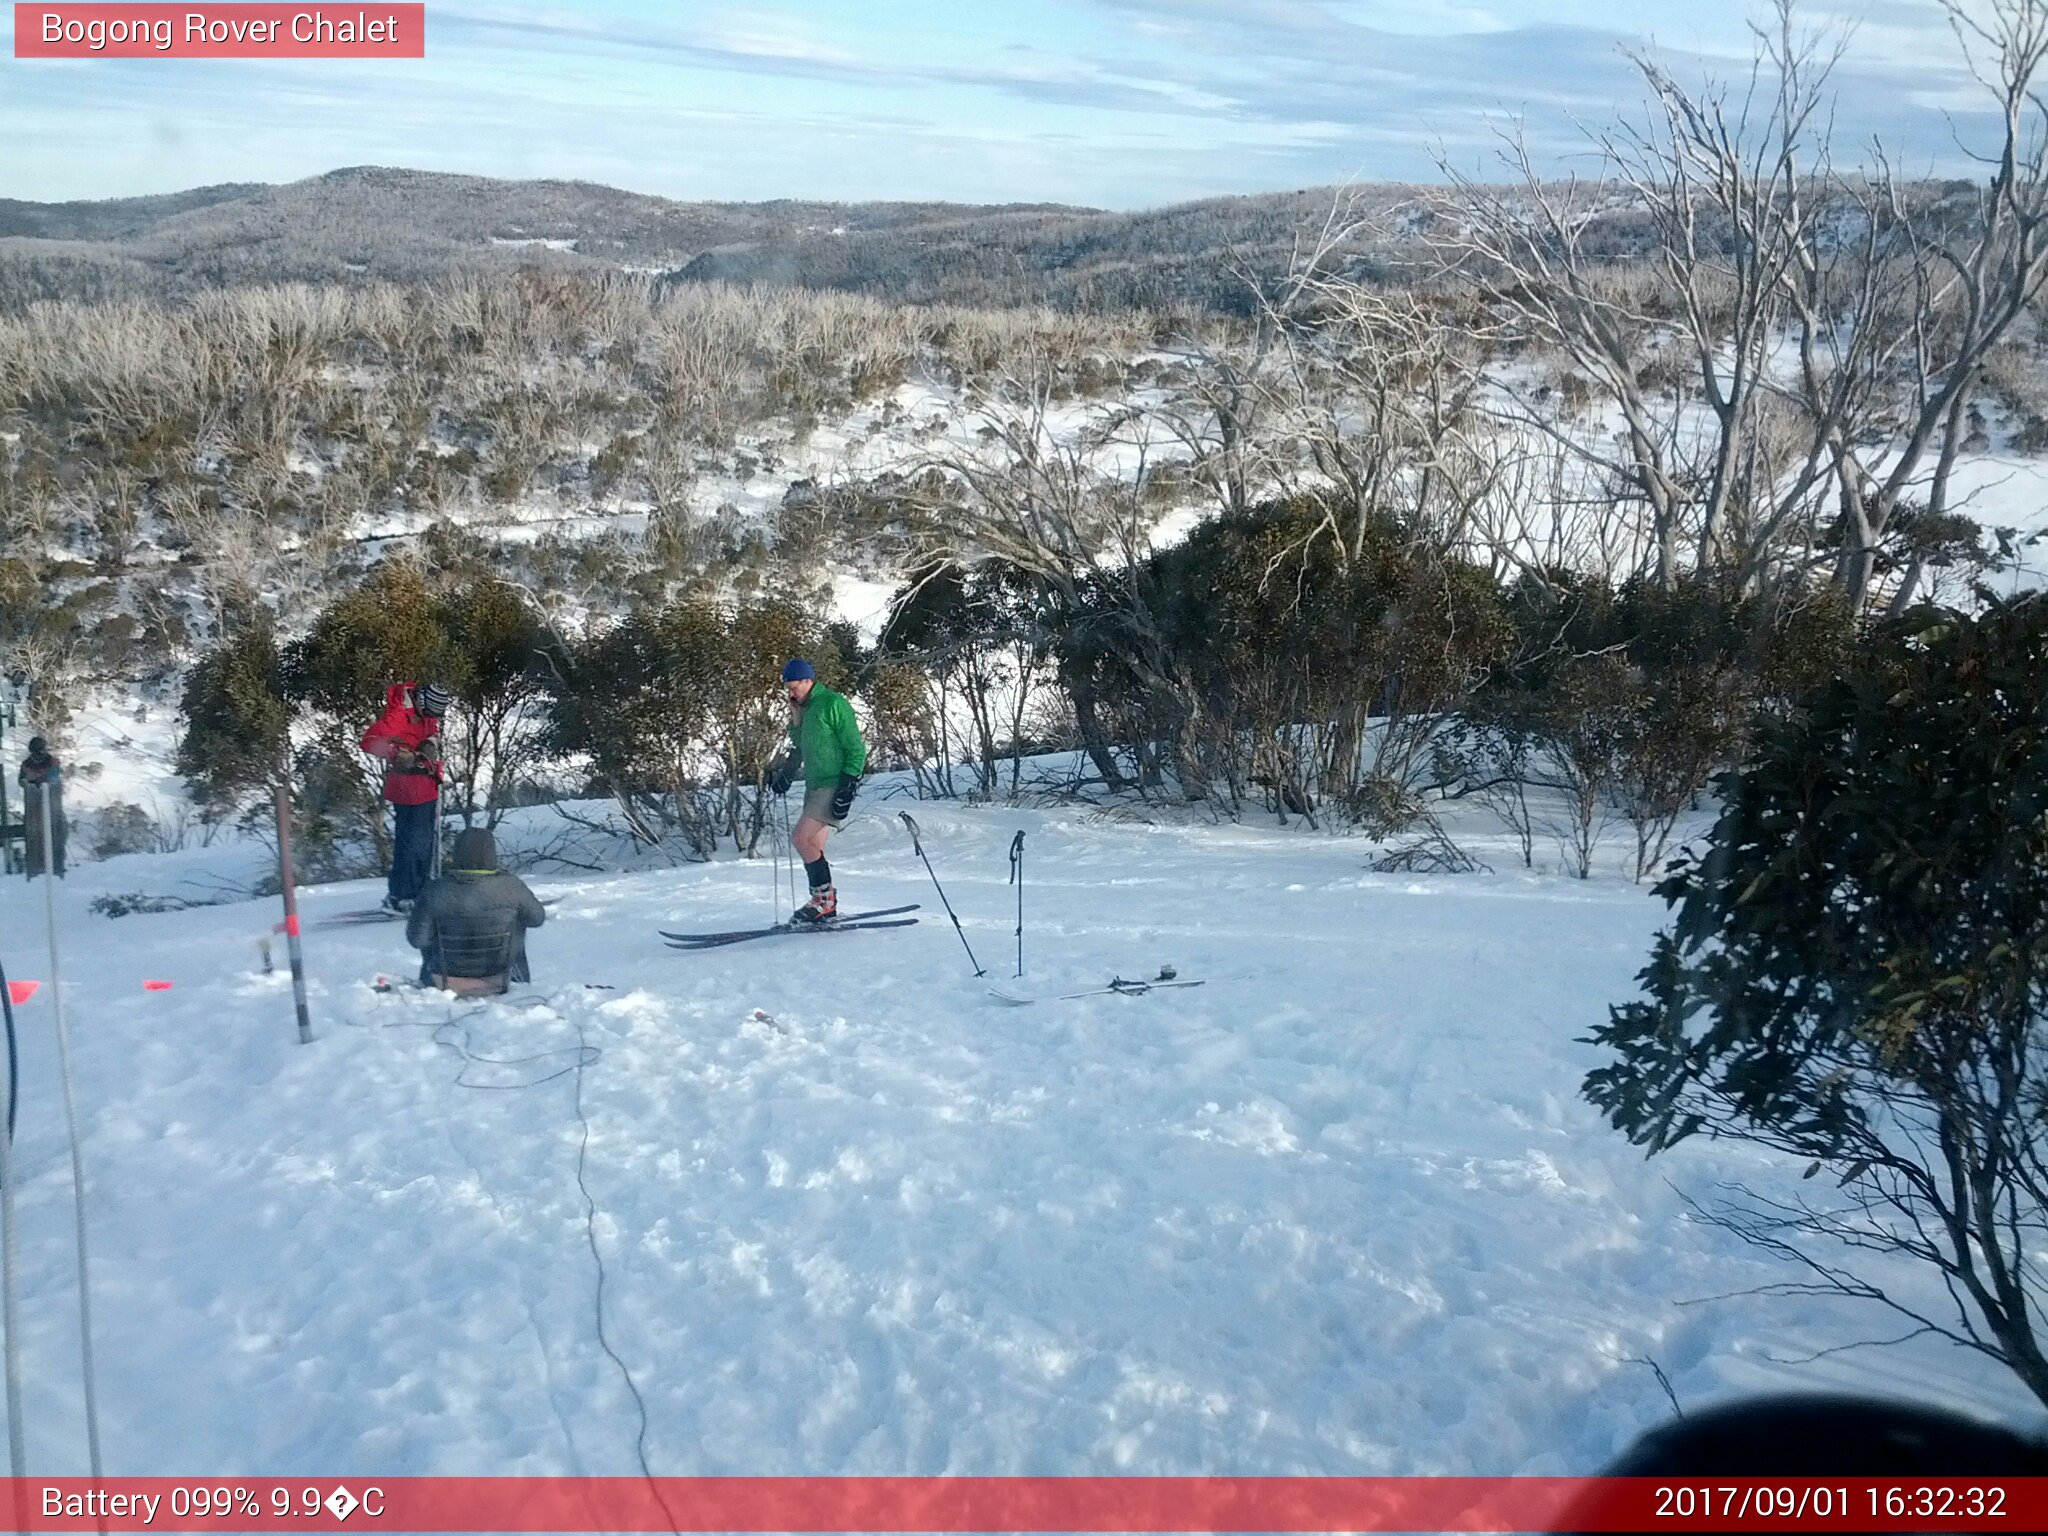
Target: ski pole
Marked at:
918, 843
775, 845
775, 859
1017, 879
434, 858
788, 842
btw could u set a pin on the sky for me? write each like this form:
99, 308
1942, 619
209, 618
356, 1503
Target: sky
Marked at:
1107, 103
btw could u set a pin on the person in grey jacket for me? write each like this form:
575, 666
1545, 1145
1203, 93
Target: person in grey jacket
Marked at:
41, 776
470, 924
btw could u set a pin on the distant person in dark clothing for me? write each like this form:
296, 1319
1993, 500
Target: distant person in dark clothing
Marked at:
42, 778
470, 924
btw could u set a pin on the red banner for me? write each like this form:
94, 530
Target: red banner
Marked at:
1025, 1504
359, 31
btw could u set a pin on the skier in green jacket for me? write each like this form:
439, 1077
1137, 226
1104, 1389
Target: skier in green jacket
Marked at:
825, 742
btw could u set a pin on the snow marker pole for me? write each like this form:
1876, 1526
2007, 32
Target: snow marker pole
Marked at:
286, 881
918, 843
6, 819
1017, 879
92, 1413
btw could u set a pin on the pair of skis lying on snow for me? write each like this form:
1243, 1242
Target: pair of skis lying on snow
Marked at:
1118, 987
891, 917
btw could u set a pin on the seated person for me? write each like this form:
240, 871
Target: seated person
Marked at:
470, 924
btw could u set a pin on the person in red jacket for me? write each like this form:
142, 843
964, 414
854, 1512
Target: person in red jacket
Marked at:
408, 739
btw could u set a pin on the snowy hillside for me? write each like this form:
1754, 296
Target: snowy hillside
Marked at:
1338, 1210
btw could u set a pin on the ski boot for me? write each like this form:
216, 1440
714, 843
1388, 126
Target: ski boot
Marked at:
822, 908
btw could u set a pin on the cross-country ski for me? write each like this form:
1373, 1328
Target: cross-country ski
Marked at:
363, 915
355, 918
1117, 987
787, 930
730, 934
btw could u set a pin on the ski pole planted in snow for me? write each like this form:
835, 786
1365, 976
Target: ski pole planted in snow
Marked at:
918, 843
789, 845
1017, 879
777, 838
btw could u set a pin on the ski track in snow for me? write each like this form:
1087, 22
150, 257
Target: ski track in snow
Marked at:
1338, 1211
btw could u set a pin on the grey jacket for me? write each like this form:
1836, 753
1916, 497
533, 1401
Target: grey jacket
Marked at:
474, 922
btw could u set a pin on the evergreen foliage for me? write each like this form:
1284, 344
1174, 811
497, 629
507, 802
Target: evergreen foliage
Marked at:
237, 737
678, 711
1858, 968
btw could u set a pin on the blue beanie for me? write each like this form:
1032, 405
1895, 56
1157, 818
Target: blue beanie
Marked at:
798, 670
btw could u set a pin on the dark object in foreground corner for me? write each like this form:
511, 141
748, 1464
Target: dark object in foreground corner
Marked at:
1820, 1435
1828, 1435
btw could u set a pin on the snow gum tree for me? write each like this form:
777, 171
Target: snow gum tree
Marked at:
1857, 977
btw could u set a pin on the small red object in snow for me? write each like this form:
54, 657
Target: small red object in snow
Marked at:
21, 991
156, 986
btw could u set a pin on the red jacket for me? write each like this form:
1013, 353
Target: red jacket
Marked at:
402, 726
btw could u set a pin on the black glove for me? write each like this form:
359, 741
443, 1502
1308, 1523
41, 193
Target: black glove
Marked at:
842, 797
782, 773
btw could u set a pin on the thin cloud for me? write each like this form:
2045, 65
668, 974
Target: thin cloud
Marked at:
1123, 103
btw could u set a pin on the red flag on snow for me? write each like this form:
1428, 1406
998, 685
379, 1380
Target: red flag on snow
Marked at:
156, 986
21, 991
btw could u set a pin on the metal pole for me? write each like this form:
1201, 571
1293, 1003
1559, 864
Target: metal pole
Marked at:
440, 790
92, 1413
918, 843
774, 831
1017, 879
789, 844
6, 820
291, 910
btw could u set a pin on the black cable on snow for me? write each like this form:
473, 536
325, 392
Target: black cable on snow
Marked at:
590, 1232
586, 1055
13, 1053
10, 1292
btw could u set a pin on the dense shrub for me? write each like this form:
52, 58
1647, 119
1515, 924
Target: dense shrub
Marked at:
1857, 974
679, 712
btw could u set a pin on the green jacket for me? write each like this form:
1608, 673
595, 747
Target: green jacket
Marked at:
827, 739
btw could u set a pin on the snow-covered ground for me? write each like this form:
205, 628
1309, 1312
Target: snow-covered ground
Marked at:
1338, 1210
